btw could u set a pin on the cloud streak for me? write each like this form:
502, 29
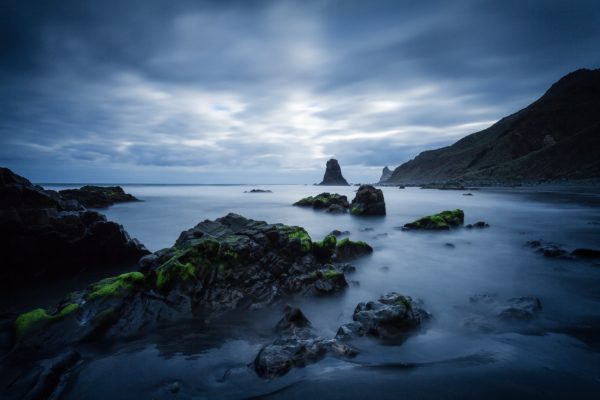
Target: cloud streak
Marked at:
266, 91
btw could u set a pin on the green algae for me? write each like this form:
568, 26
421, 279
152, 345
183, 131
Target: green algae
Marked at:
38, 317
116, 285
440, 221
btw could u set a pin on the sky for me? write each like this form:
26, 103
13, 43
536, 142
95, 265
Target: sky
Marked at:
153, 91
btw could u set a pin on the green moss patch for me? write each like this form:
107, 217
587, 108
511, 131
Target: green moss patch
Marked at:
324, 249
296, 233
116, 285
39, 317
441, 221
347, 249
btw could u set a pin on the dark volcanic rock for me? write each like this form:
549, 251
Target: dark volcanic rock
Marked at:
258, 191
97, 196
368, 201
330, 202
393, 316
297, 346
333, 175
441, 221
217, 266
520, 309
42, 238
555, 138
585, 253
386, 173
347, 250
548, 249
478, 225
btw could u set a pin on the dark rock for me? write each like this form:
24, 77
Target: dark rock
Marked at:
442, 221
42, 238
449, 245
478, 225
293, 318
520, 309
385, 174
258, 191
444, 186
393, 317
366, 229
338, 233
347, 250
297, 347
52, 374
217, 266
467, 194
333, 175
368, 201
97, 196
548, 249
346, 268
175, 387
401, 187
585, 253
330, 202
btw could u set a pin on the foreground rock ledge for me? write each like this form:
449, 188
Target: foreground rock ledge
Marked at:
217, 266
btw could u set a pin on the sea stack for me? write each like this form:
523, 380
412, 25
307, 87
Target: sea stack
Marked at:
385, 174
333, 175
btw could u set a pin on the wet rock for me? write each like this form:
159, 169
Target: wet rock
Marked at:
293, 318
441, 221
368, 202
97, 196
174, 387
346, 268
520, 309
52, 373
393, 316
333, 174
449, 245
42, 236
478, 225
548, 249
347, 250
585, 253
330, 202
337, 233
467, 194
297, 347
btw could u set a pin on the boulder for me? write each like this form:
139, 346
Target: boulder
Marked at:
441, 221
97, 196
347, 250
478, 225
368, 202
392, 317
333, 174
330, 202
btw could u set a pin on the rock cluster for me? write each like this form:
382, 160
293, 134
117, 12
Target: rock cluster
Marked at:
441, 221
45, 236
330, 202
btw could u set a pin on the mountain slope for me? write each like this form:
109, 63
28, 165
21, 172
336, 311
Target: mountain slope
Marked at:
555, 138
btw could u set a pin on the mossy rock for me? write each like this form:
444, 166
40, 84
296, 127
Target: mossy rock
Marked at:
39, 317
347, 249
324, 201
298, 234
441, 221
120, 285
324, 249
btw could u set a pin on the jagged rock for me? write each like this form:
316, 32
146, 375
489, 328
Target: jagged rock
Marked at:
330, 202
97, 196
217, 266
441, 221
478, 225
333, 175
347, 250
41, 237
393, 316
368, 201
386, 173
297, 347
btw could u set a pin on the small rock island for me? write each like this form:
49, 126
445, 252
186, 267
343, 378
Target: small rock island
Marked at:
333, 175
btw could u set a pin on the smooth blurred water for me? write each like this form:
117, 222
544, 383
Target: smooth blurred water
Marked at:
554, 356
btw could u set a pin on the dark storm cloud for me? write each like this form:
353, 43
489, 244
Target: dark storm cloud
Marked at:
249, 86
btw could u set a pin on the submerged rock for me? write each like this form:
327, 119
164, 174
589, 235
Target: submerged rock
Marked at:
97, 196
337, 233
393, 316
44, 236
333, 175
520, 309
330, 202
258, 191
478, 225
217, 266
441, 221
368, 202
548, 249
493, 312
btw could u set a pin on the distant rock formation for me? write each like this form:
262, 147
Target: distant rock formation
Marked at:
97, 196
333, 175
385, 174
556, 138
44, 236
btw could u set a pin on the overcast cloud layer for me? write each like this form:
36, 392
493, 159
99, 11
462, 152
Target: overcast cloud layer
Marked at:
266, 92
